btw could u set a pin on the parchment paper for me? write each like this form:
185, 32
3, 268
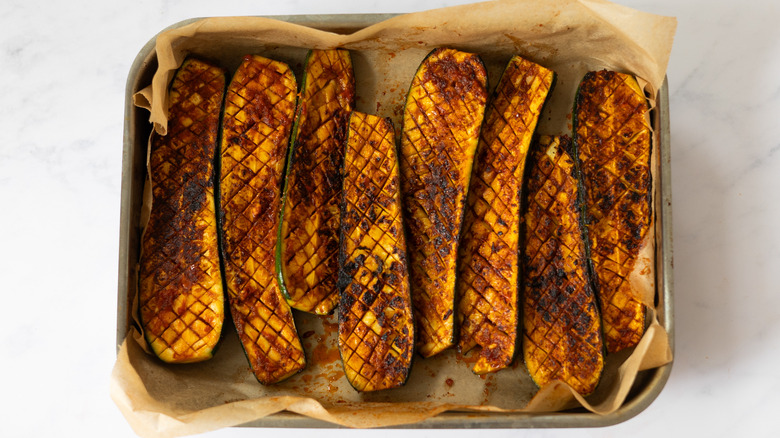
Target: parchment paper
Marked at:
568, 36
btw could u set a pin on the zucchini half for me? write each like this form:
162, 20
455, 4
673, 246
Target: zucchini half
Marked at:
613, 143
376, 323
309, 229
562, 337
181, 297
259, 111
443, 114
489, 254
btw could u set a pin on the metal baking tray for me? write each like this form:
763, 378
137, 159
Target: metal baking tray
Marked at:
648, 383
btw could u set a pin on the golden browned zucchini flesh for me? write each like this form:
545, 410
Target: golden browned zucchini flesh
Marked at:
444, 110
612, 137
489, 254
376, 323
259, 112
310, 221
181, 299
561, 326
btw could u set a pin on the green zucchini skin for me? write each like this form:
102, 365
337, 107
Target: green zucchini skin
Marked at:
376, 321
308, 248
442, 118
285, 185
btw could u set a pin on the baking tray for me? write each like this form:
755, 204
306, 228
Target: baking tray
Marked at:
648, 383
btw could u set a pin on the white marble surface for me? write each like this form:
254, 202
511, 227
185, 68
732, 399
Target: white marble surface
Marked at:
64, 66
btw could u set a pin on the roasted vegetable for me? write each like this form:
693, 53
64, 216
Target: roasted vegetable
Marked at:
442, 118
489, 254
259, 112
561, 327
181, 299
308, 250
612, 137
376, 324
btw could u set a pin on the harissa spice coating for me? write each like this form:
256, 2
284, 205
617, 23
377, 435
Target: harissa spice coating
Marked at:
259, 111
181, 298
310, 223
561, 326
376, 324
489, 254
442, 118
613, 141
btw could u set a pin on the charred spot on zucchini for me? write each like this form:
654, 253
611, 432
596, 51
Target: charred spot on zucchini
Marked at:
258, 117
562, 337
489, 253
181, 297
376, 323
613, 141
308, 233
442, 118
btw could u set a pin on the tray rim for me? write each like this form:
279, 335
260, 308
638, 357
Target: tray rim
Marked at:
450, 419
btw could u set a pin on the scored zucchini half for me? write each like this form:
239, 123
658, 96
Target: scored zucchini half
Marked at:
443, 114
376, 323
308, 234
612, 139
489, 254
562, 337
181, 299
258, 117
